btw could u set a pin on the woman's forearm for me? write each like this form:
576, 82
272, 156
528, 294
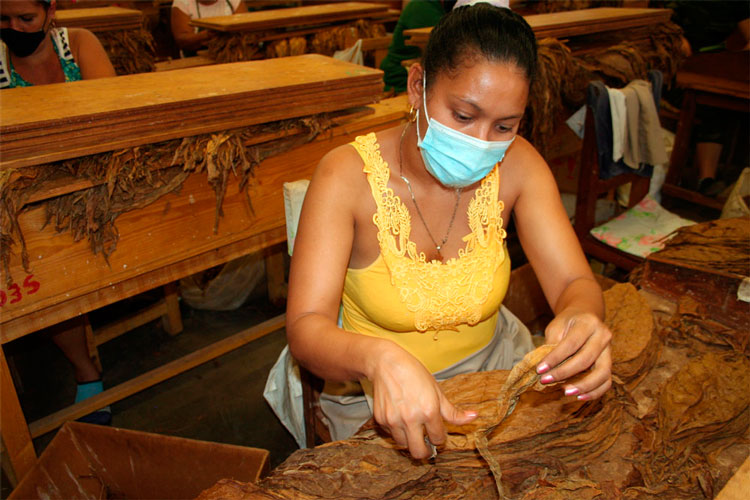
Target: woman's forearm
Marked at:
331, 352
582, 294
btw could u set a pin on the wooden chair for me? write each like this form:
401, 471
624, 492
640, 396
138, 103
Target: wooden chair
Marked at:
592, 186
167, 308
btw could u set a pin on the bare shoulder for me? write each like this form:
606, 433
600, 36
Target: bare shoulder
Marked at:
80, 38
523, 168
90, 54
339, 176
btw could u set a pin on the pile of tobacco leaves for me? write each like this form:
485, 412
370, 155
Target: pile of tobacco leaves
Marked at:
103, 186
246, 46
671, 427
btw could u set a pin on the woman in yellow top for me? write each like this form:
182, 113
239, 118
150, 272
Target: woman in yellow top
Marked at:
406, 227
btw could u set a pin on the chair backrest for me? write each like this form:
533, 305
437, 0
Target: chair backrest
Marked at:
598, 103
600, 174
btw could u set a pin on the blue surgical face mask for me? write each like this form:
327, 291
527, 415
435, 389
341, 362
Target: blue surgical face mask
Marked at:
454, 158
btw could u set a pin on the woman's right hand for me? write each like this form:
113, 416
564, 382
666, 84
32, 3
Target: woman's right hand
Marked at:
408, 402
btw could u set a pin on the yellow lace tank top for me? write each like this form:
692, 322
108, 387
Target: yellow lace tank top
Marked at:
439, 312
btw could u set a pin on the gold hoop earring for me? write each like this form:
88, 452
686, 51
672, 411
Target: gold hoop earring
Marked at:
412, 114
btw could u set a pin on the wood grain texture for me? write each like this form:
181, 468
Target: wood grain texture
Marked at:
100, 18
574, 22
294, 16
93, 116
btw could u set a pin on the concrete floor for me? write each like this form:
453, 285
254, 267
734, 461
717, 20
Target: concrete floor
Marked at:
220, 401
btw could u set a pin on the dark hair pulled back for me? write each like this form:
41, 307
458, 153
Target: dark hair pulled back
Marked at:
496, 33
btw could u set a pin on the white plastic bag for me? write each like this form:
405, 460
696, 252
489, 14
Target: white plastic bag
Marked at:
353, 54
736, 205
283, 392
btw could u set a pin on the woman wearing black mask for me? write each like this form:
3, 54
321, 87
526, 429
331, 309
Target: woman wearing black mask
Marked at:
34, 52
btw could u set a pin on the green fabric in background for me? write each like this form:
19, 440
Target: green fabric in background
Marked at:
417, 14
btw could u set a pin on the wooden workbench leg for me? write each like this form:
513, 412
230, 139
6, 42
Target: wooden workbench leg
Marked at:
172, 320
275, 280
15, 431
682, 139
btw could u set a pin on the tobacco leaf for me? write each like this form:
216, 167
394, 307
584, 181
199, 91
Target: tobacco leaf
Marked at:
130, 51
665, 438
127, 179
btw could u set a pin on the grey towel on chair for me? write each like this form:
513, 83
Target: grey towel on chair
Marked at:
644, 143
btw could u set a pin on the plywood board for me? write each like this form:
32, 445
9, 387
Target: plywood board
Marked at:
294, 16
93, 116
574, 23
100, 18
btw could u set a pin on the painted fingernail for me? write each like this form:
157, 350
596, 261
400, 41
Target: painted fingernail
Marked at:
471, 413
547, 379
541, 368
571, 391
583, 397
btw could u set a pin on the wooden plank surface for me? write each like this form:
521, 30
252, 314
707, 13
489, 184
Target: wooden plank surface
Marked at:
294, 16
100, 18
93, 116
573, 23
166, 240
723, 73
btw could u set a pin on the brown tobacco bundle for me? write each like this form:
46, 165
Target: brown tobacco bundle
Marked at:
703, 409
294, 46
635, 345
719, 245
545, 96
245, 46
666, 439
131, 51
235, 47
521, 378
123, 180
565, 434
559, 87
691, 326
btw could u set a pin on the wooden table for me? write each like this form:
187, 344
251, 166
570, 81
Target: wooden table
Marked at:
121, 32
573, 23
274, 25
181, 241
720, 80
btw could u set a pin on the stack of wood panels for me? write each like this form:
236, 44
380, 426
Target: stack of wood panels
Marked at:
100, 18
574, 23
101, 115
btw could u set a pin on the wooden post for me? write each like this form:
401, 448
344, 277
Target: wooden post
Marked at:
172, 320
15, 433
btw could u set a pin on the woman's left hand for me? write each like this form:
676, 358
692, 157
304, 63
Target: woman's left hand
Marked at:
582, 342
